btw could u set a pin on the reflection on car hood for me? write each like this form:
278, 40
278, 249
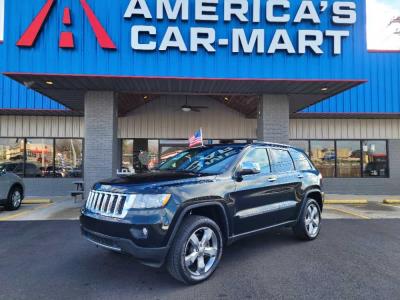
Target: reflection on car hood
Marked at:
151, 180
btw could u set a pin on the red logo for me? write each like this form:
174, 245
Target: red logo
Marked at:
30, 36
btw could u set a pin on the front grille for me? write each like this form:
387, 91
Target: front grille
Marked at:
107, 204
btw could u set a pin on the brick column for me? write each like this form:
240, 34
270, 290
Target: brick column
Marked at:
101, 143
273, 119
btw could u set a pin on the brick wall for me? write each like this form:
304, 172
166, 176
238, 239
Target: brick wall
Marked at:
101, 144
273, 119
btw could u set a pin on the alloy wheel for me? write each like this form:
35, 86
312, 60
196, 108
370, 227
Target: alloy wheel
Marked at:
201, 251
312, 221
16, 198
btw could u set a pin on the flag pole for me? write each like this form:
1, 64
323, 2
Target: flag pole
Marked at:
202, 140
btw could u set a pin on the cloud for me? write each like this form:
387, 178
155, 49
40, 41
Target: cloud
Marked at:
380, 35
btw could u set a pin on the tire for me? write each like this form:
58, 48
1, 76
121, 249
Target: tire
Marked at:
203, 259
309, 224
14, 198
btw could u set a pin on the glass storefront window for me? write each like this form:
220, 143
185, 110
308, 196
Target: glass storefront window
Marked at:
39, 158
375, 159
301, 144
153, 154
127, 155
324, 157
348, 159
12, 155
69, 159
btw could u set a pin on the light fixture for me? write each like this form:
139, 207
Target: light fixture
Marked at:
146, 97
324, 89
226, 99
29, 84
49, 82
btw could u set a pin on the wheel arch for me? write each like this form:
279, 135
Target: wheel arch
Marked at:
315, 194
213, 210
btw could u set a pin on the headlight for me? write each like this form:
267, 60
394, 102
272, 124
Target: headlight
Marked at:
143, 201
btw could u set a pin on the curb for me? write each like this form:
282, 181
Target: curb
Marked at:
37, 201
391, 201
360, 201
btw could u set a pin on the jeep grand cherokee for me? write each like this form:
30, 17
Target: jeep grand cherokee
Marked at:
184, 213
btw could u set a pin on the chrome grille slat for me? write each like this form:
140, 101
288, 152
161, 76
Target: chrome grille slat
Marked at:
107, 204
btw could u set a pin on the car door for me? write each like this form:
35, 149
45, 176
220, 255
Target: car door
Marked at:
256, 196
288, 182
4, 185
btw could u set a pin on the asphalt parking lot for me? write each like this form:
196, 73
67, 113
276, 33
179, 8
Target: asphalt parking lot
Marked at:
351, 259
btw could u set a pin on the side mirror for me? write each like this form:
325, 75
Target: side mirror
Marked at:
248, 168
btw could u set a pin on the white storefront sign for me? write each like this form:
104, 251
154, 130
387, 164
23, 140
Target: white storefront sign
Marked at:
144, 38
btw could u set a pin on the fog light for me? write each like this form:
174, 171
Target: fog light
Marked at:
140, 234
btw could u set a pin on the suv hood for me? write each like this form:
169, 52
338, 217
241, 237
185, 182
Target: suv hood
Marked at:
155, 180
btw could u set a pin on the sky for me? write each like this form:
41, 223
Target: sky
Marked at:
379, 14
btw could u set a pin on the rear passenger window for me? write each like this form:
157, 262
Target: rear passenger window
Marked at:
281, 161
301, 161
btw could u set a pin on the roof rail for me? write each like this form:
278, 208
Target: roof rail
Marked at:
273, 144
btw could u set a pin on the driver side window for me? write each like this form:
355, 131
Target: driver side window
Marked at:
258, 156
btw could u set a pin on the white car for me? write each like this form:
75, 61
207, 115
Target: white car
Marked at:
11, 190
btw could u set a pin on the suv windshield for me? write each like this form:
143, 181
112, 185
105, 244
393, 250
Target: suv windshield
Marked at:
206, 160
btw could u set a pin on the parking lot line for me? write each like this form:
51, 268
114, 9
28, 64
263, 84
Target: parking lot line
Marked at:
348, 212
392, 205
23, 213
344, 201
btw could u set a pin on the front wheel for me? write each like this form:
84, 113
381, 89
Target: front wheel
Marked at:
196, 250
309, 224
14, 199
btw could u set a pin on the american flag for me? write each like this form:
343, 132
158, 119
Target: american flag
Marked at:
196, 139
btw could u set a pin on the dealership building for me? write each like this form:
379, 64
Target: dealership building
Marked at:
90, 87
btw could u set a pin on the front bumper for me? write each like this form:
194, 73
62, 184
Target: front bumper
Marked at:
91, 229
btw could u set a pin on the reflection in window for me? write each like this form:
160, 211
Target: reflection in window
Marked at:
301, 144
153, 154
258, 156
12, 155
39, 158
281, 161
375, 159
301, 162
323, 157
348, 159
68, 162
127, 155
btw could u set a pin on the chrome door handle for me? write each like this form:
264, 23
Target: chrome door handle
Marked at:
300, 176
272, 178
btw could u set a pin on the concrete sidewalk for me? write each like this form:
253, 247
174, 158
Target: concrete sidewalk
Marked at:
369, 198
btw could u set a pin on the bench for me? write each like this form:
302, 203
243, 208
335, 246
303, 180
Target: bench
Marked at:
79, 192
76, 194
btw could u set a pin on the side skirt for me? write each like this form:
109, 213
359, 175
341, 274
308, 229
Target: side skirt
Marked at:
235, 238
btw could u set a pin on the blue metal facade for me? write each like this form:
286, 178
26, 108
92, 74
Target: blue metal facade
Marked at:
380, 94
15, 96
381, 70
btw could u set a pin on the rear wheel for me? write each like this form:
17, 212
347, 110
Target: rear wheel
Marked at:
309, 224
196, 250
14, 198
